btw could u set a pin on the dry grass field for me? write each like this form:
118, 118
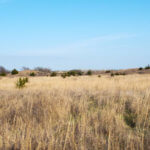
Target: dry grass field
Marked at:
76, 113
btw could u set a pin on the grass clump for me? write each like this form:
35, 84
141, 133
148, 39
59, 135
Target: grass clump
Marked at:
14, 72
129, 115
21, 82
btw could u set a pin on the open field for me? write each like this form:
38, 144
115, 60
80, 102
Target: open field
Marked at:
76, 113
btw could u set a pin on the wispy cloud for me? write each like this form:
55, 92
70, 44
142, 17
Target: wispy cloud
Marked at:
101, 39
77, 46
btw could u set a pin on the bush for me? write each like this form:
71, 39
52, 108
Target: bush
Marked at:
99, 76
123, 73
14, 71
89, 73
140, 68
112, 74
71, 73
63, 75
147, 67
3, 74
53, 74
120, 73
32, 74
26, 80
21, 82
79, 72
76, 72
107, 71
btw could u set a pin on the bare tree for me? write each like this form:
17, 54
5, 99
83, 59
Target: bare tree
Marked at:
41, 69
25, 68
3, 70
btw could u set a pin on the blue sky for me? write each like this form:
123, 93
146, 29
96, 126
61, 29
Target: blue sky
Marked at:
75, 34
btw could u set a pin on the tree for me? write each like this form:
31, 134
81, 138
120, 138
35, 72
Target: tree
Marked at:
14, 71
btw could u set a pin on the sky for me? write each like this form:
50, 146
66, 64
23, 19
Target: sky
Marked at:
75, 34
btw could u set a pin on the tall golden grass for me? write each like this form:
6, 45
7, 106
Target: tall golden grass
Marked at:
76, 113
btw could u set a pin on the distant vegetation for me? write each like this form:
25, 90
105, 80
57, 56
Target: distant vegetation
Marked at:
53, 74
118, 74
72, 73
41, 69
107, 71
89, 73
3, 71
140, 68
32, 74
14, 72
147, 67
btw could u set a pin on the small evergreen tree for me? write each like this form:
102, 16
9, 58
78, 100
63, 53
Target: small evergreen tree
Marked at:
53, 74
14, 71
89, 72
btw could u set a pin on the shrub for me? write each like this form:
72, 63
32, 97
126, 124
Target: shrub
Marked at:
123, 73
89, 72
140, 68
71, 73
32, 74
99, 76
14, 71
53, 74
117, 74
112, 74
63, 75
120, 73
79, 72
21, 82
107, 71
75, 72
147, 67
26, 80
3, 74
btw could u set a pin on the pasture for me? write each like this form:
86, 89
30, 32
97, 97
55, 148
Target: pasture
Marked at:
76, 113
